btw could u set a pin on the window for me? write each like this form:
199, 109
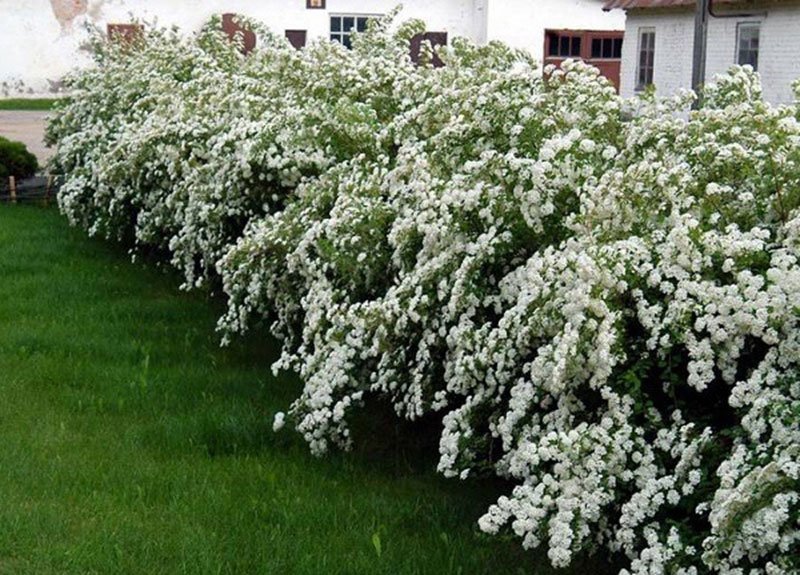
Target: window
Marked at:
747, 44
563, 45
342, 26
315, 4
297, 38
607, 48
647, 50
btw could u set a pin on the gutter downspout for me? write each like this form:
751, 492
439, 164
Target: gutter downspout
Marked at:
480, 22
701, 15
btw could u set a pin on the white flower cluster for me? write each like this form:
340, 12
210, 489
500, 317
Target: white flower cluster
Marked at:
600, 299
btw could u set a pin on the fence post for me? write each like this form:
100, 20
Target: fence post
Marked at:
12, 189
47, 189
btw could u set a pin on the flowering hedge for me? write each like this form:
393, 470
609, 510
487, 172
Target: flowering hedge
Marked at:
601, 298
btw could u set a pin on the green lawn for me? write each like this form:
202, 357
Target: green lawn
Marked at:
131, 443
27, 103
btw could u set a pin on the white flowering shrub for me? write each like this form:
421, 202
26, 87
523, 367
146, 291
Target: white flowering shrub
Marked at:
600, 298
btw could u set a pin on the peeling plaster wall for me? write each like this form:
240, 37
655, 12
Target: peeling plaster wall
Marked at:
66, 11
41, 39
39, 42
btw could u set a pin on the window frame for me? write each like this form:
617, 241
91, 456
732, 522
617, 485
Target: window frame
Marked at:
744, 25
642, 32
340, 35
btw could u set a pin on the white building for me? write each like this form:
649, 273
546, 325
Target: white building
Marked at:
41, 38
659, 40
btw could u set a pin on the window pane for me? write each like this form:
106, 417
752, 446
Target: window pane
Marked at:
362, 24
552, 45
563, 46
748, 45
597, 49
647, 41
336, 24
346, 41
748, 57
608, 48
617, 48
348, 23
576, 46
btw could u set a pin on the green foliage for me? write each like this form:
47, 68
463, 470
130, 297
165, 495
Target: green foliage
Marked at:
16, 160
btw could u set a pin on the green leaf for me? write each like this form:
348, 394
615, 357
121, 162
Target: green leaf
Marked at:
376, 543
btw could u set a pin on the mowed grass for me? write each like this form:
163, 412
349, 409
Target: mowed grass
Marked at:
27, 104
130, 442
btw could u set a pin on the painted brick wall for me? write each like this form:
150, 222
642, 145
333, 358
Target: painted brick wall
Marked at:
779, 52
672, 68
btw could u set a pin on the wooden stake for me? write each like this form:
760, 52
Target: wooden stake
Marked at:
47, 189
12, 189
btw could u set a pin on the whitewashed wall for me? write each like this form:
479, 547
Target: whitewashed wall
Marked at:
779, 52
40, 39
521, 23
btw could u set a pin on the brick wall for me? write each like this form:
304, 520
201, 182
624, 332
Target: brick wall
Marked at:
779, 51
